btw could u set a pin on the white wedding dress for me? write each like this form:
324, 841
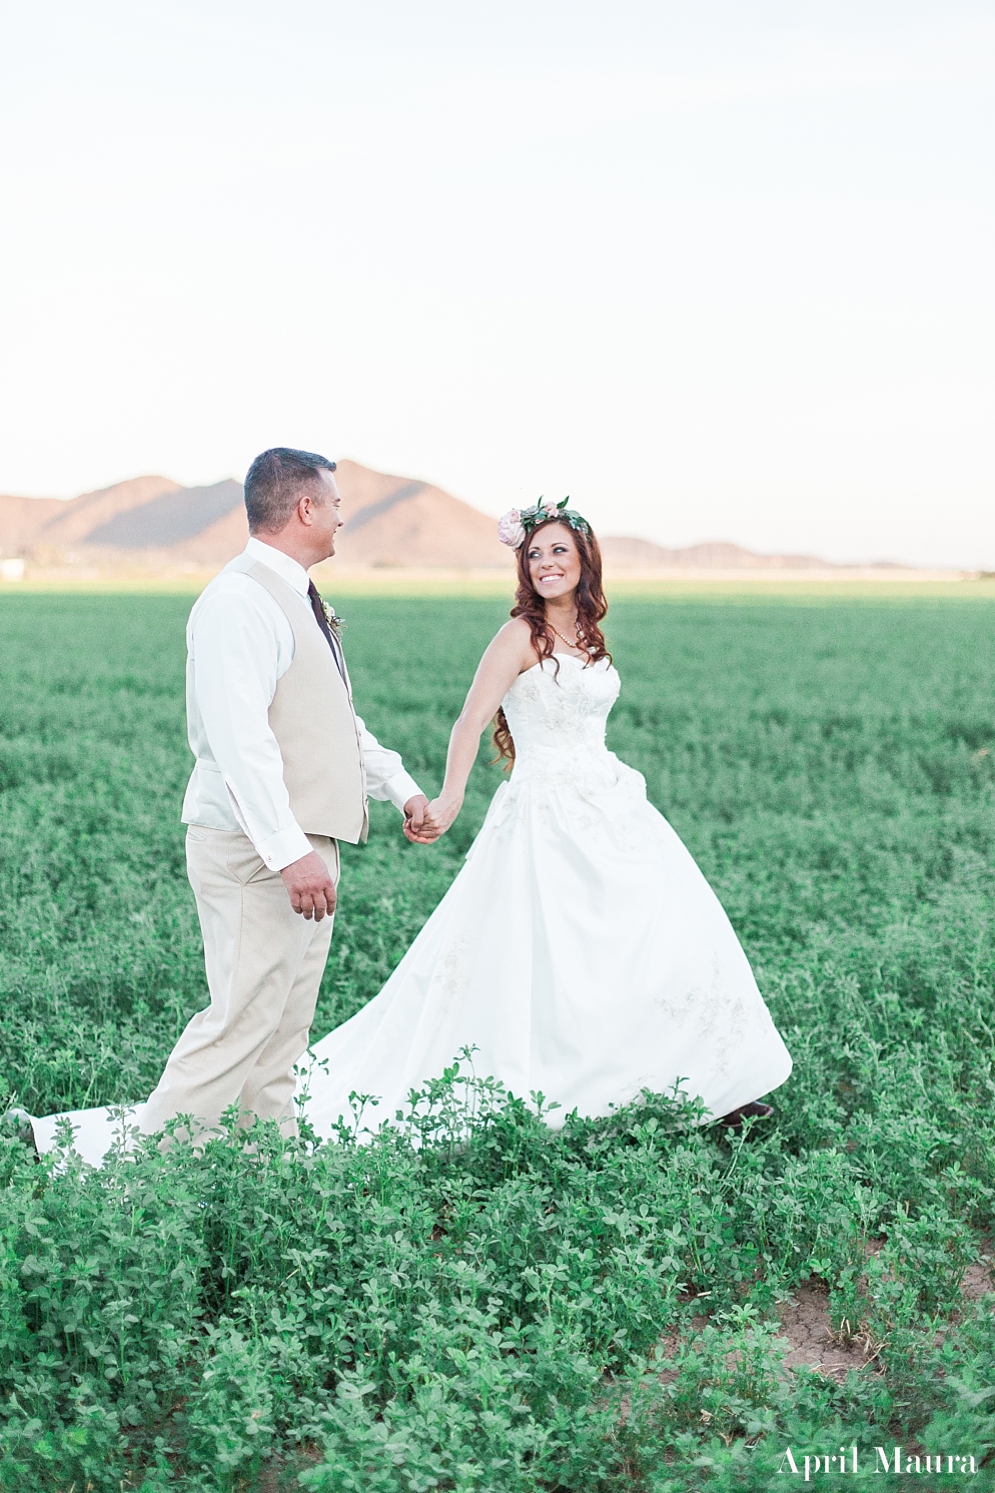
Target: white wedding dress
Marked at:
580, 950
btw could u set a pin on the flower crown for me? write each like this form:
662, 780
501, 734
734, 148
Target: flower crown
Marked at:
515, 526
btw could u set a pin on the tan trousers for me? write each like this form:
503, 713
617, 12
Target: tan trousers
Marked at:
264, 965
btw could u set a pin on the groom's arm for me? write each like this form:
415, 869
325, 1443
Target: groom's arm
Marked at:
387, 780
238, 655
240, 647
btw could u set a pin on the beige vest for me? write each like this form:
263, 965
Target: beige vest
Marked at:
315, 726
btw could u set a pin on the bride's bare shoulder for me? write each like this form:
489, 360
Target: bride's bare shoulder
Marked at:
512, 643
517, 629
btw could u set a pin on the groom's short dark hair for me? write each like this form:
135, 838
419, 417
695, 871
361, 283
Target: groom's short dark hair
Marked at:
276, 482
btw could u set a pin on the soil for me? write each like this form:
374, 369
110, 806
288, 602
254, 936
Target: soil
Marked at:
812, 1344
805, 1323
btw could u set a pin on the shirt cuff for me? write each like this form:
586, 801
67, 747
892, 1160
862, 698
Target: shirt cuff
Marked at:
399, 789
285, 847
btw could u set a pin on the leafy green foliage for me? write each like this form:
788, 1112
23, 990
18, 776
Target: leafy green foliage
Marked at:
474, 1300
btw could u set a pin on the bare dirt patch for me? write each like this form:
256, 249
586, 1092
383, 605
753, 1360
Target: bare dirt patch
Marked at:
978, 1280
812, 1344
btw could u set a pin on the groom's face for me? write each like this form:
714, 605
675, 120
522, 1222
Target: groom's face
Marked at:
327, 518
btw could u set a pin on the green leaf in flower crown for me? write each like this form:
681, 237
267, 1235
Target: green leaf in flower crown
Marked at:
531, 518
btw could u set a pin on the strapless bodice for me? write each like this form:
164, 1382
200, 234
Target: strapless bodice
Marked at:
557, 718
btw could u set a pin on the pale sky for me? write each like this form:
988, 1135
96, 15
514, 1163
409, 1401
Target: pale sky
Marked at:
719, 270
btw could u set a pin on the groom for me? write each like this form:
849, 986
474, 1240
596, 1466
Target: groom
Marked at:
283, 769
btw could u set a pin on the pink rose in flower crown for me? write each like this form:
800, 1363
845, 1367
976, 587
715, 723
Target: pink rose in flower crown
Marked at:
511, 530
518, 523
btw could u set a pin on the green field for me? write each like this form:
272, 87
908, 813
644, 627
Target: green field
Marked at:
505, 1308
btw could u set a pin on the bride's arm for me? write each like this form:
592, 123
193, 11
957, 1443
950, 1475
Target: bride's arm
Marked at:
505, 658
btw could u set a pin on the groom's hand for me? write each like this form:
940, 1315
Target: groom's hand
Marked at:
417, 826
310, 886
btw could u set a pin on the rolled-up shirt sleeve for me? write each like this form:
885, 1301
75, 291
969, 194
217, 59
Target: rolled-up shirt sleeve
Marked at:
235, 677
386, 777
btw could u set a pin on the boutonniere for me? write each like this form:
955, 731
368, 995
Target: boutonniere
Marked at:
335, 623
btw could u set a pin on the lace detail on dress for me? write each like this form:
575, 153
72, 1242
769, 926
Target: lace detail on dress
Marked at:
558, 698
562, 764
558, 719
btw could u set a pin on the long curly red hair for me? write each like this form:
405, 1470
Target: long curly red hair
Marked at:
592, 608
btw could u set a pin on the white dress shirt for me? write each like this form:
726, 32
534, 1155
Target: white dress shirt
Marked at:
240, 643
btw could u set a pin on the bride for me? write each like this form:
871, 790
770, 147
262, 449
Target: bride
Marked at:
580, 951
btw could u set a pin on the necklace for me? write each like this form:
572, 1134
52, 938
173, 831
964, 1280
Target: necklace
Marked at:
578, 646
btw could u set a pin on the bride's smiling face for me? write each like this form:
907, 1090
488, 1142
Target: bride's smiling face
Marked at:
554, 564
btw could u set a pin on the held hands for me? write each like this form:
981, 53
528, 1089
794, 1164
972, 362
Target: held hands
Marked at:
310, 886
442, 812
424, 822
418, 828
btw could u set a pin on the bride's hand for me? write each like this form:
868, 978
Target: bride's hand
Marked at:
421, 825
417, 826
437, 818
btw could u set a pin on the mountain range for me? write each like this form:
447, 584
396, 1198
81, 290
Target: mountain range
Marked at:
154, 523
